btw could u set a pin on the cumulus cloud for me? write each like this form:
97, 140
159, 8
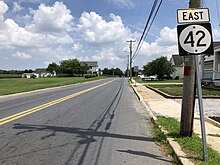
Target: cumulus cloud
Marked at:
3, 10
12, 34
23, 42
55, 19
22, 55
167, 37
164, 45
216, 34
94, 29
16, 7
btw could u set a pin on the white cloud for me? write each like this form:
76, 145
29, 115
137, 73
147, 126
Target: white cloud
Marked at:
24, 43
11, 34
22, 55
216, 34
16, 7
94, 29
123, 3
167, 37
76, 47
3, 10
51, 19
164, 45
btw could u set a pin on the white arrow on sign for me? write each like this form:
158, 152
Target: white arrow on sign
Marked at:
195, 39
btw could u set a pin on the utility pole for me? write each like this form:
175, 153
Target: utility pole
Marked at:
128, 67
130, 47
189, 88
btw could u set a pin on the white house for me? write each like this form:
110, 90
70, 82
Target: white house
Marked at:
178, 64
39, 73
92, 66
211, 66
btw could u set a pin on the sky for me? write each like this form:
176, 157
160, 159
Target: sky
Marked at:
35, 33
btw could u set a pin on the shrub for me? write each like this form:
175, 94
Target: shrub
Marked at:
90, 75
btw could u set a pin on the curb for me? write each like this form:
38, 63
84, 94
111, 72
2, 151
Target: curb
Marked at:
180, 155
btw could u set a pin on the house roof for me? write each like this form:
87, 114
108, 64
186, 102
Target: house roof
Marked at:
177, 59
216, 44
89, 63
41, 70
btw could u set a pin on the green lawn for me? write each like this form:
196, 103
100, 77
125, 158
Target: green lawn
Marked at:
191, 145
17, 85
177, 89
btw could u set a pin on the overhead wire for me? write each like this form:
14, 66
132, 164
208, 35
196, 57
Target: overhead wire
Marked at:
147, 26
145, 36
148, 20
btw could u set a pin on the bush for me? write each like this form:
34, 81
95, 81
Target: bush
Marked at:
90, 75
33, 76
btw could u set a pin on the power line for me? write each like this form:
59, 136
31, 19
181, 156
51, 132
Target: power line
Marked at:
144, 34
145, 28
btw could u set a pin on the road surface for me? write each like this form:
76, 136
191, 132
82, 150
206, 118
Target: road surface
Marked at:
96, 123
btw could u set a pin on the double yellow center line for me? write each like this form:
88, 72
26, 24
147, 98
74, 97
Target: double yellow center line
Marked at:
46, 105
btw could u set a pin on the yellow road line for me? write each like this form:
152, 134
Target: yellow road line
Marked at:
46, 105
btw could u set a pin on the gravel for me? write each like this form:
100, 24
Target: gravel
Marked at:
211, 106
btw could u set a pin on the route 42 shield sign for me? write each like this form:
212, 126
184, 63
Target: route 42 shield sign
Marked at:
195, 39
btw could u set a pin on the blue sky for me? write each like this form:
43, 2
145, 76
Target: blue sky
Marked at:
34, 33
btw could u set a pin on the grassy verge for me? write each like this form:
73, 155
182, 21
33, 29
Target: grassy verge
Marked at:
192, 146
17, 85
177, 89
161, 140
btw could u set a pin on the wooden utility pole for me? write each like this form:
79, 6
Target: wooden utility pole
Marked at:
130, 47
189, 88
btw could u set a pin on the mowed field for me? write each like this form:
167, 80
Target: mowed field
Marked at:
17, 85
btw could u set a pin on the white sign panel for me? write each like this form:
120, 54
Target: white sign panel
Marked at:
193, 15
195, 39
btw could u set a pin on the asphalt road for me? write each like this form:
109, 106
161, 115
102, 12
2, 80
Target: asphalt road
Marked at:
97, 123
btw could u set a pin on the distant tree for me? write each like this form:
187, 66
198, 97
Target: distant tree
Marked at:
106, 71
160, 67
28, 71
83, 69
113, 71
118, 72
53, 67
70, 67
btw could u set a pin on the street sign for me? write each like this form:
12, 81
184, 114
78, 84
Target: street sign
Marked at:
192, 15
195, 39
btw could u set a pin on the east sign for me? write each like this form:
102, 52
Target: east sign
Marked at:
192, 15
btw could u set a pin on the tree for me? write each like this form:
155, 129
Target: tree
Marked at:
113, 71
53, 67
70, 67
118, 72
160, 67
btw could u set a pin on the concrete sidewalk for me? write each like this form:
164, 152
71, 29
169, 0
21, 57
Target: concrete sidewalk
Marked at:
158, 105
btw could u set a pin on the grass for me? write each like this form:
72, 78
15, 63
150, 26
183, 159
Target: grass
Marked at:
10, 76
17, 85
192, 146
161, 140
177, 89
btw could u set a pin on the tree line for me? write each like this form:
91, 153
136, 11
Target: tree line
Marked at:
71, 67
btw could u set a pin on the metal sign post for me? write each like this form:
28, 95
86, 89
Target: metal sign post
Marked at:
201, 111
